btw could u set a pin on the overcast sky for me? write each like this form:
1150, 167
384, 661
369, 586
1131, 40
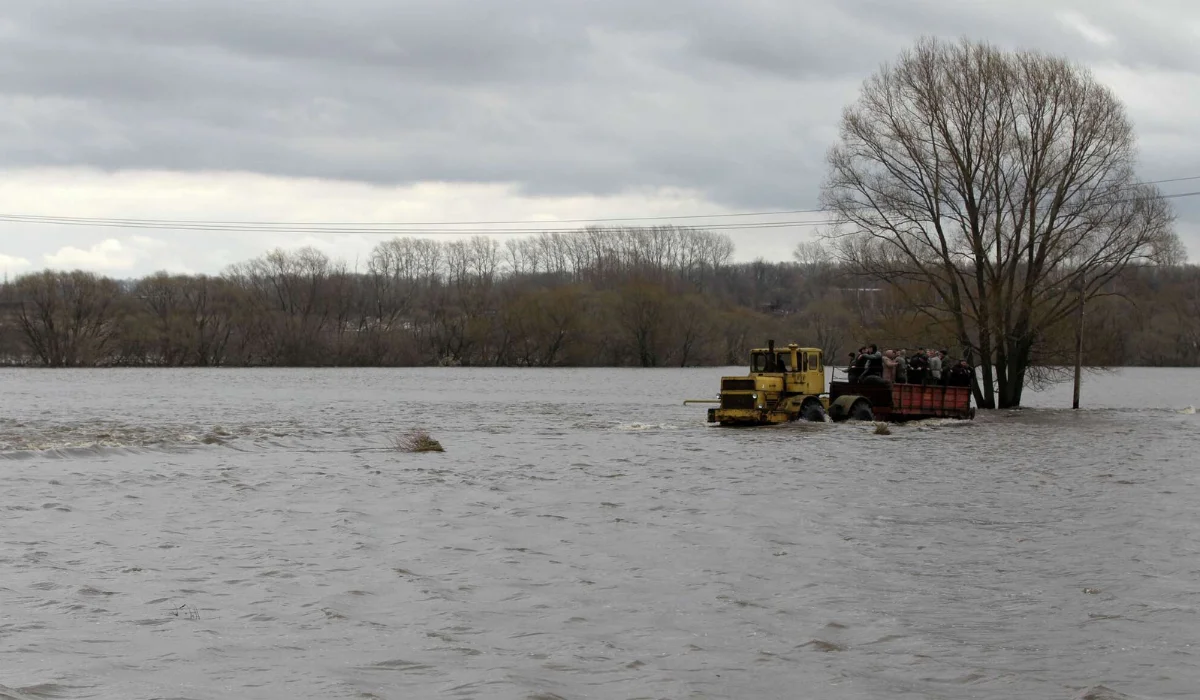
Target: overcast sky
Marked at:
489, 110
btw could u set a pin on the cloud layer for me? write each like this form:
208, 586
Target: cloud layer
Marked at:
732, 102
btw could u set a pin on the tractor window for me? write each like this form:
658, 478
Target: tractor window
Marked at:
814, 361
758, 362
803, 358
785, 362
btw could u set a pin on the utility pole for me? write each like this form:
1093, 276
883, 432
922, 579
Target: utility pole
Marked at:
1078, 348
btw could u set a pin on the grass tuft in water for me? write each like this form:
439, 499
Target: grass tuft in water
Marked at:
188, 612
416, 440
882, 429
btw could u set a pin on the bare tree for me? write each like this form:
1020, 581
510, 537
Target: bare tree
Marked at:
1001, 186
67, 318
210, 302
290, 304
161, 295
828, 323
642, 309
689, 324
812, 254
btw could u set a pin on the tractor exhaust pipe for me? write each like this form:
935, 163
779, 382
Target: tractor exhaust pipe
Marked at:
771, 346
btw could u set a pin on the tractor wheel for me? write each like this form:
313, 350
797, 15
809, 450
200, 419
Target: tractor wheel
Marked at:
813, 412
861, 410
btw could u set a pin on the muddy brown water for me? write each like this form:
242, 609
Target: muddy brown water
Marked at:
250, 534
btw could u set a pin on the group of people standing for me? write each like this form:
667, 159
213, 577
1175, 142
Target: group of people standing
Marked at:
923, 366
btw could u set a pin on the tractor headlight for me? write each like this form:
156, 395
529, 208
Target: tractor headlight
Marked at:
754, 396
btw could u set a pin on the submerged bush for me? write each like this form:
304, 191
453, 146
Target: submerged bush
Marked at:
417, 440
882, 429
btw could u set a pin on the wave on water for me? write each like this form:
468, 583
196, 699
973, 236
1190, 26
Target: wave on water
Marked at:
931, 423
24, 439
34, 692
637, 427
1189, 411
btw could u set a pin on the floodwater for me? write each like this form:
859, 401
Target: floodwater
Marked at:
252, 534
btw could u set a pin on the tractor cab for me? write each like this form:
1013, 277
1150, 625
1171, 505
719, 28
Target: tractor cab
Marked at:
783, 384
766, 361
791, 360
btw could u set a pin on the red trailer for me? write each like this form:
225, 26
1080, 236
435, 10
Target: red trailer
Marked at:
886, 401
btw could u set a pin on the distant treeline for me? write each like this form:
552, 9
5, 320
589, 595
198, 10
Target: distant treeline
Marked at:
649, 297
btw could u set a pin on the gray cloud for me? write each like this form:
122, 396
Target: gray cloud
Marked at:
736, 99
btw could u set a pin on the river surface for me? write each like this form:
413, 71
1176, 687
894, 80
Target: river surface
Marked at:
253, 534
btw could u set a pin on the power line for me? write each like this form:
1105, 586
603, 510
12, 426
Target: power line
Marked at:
397, 228
1177, 194
267, 225
1163, 182
329, 229
322, 229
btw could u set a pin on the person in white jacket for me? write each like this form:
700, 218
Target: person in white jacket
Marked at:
935, 366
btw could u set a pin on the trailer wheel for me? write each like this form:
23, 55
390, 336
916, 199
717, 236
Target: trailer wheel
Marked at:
843, 407
861, 410
813, 412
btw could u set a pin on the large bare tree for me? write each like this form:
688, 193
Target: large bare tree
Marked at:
997, 191
67, 318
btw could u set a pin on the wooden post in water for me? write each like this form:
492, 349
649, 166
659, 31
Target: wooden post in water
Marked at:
1078, 349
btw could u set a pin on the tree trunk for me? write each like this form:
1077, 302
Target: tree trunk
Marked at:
988, 397
1078, 353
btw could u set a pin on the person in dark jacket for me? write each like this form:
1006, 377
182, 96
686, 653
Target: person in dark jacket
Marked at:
858, 363
960, 374
918, 367
874, 366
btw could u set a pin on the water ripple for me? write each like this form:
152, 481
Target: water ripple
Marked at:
202, 534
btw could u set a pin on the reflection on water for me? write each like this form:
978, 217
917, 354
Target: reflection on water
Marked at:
249, 533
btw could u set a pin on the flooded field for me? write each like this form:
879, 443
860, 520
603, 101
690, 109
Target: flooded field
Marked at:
252, 534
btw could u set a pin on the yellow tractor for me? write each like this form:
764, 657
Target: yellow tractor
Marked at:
789, 384
783, 385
